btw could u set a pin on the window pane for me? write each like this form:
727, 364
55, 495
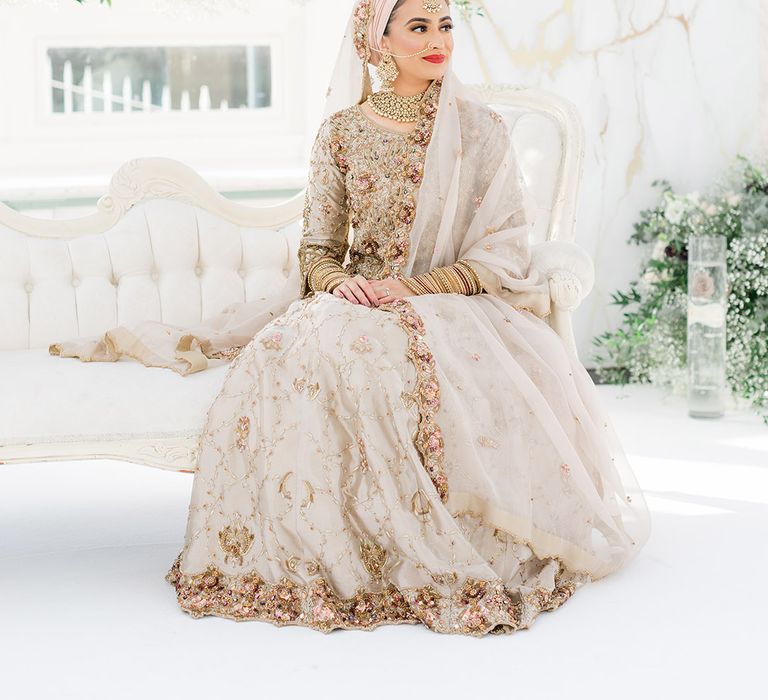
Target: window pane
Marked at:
170, 78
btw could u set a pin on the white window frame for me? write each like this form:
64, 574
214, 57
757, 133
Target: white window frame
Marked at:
272, 119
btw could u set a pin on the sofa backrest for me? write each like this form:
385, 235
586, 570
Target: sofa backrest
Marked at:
165, 260
548, 135
164, 246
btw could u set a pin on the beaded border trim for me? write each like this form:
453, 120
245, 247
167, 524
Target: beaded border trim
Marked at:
429, 438
477, 608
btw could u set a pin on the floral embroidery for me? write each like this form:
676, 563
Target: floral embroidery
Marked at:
414, 171
407, 211
273, 342
429, 439
235, 541
419, 139
339, 150
485, 441
374, 556
345, 188
241, 432
477, 608
300, 383
366, 183
360, 26
362, 344
313, 568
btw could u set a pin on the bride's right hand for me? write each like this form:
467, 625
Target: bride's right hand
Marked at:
357, 290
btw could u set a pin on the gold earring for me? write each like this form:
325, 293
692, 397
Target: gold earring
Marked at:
387, 71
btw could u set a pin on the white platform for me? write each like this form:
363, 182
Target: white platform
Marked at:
85, 611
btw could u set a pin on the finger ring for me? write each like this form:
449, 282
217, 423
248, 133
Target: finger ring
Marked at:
386, 290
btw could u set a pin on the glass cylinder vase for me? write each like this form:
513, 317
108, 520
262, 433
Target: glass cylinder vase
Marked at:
707, 300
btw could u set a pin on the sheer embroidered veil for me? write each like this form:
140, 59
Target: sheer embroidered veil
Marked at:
471, 204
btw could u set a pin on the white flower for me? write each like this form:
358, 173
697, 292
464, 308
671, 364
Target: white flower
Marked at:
710, 209
651, 276
732, 198
658, 250
674, 210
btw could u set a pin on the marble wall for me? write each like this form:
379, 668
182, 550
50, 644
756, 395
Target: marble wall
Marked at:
666, 89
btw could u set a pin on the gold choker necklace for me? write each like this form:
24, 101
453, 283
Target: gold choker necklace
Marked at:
401, 108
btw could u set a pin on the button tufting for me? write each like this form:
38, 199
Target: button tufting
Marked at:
75, 282
198, 271
242, 273
28, 286
155, 276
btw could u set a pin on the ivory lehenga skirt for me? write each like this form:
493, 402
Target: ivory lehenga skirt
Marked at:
440, 460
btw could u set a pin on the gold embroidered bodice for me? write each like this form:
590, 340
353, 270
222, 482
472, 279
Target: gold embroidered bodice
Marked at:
364, 175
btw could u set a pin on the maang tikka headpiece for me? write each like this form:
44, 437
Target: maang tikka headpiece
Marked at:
432, 5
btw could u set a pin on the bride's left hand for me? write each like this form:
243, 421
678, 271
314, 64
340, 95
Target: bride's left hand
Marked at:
397, 290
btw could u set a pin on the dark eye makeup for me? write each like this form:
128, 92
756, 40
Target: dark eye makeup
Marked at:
424, 26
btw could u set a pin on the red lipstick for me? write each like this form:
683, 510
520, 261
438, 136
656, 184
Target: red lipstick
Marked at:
435, 58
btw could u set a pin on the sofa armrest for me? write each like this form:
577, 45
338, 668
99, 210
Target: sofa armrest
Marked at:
568, 269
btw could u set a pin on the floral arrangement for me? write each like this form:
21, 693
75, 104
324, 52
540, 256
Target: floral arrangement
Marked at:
651, 344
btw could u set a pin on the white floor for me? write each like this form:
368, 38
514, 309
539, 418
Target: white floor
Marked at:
85, 611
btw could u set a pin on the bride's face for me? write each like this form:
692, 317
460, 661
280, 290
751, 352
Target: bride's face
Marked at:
414, 29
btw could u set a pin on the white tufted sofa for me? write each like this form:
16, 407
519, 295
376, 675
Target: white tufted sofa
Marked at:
163, 245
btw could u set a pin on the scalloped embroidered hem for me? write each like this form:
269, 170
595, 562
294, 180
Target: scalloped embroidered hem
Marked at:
477, 608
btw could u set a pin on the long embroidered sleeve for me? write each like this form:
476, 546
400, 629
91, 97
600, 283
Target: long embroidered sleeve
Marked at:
325, 231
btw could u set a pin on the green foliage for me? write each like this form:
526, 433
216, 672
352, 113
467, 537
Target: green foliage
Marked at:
650, 346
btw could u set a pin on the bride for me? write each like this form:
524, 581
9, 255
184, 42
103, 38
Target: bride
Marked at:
401, 438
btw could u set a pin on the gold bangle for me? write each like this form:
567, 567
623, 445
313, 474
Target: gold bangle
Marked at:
409, 283
447, 283
476, 284
332, 284
469, 281
466, 287
322, 271
430, 284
